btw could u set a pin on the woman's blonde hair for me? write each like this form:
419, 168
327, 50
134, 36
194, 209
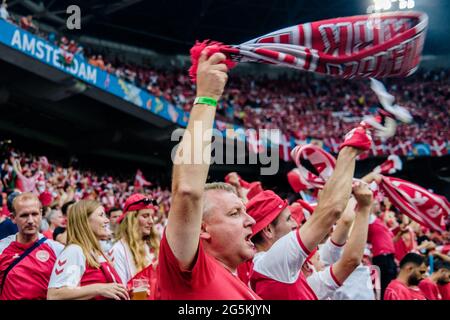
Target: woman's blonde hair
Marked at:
79, 231
129, 231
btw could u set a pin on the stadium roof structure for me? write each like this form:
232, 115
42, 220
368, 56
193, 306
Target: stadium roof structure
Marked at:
172, 26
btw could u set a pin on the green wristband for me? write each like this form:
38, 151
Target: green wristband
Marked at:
206, 100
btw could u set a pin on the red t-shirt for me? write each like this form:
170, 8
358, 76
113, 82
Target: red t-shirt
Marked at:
277, 272
381, 238
402, 247
398, 291
29, 279
430, 289
48, 234
445, 291
207, 280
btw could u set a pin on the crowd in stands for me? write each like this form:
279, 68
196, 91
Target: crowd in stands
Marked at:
301, 104
56, 185
68, 233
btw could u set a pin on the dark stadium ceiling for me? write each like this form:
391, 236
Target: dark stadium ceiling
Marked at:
172, 26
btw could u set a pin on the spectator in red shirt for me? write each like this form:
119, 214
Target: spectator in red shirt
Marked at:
383, 250
208, 230
405, 286
29, 278
440, 276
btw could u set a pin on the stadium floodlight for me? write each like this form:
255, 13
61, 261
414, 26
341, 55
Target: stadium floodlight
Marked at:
385, 5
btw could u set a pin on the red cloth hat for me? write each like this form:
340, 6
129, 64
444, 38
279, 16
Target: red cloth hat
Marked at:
46, 198
255, 189
264, 208
136, 202
297, 214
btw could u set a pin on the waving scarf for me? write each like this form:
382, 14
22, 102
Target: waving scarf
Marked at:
419, 204
379, 45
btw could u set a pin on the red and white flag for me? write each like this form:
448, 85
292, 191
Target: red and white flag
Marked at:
285, 147
390, 166
255, 141
378, 148
333, 144
140, 181
438, 148
402, 147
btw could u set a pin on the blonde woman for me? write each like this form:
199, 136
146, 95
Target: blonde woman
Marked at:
82, 271
137, 242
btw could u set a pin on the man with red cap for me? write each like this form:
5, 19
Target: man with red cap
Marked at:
282, 252
208, 230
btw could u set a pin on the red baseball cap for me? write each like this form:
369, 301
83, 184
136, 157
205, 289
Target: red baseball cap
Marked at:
264, 208
137, 202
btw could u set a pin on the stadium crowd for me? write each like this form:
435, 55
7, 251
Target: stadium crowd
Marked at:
301, 105
73, 234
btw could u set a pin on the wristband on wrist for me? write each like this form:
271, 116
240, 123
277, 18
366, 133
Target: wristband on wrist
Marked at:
206, 100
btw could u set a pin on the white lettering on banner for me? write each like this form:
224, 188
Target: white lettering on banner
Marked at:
56, 55
418, 199
40, 50
28, 44
49, 51
45, 52
393, 61
434, 212
15, 42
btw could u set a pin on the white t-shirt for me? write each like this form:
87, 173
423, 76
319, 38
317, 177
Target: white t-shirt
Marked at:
122, 259
70, 267
323, 283
283, 261
358, 286
330, 253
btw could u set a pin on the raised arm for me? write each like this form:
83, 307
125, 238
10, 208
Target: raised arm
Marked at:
340, 233
191, 163
333, 200
354, 249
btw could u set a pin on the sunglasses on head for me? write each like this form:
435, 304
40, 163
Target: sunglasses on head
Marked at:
145, 201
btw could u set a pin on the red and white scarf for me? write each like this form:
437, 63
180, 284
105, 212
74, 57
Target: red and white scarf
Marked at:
419, 204
422, 206
379, 45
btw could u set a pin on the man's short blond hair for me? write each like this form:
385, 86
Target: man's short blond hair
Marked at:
207, 206
26, 196
220, 186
